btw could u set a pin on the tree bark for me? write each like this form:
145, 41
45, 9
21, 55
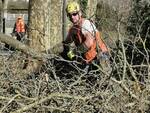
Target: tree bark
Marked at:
3, 14
91, 8
56, 22
39, 23
44, 26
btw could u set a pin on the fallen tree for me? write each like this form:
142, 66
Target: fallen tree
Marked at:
22, 47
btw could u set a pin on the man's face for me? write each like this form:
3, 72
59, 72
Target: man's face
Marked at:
74, 17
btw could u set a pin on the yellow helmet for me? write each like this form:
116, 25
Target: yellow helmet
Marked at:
72, 7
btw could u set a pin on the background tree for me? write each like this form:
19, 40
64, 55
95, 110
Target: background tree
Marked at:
139, 32
91, 8
138, 24
3, 13
43, 28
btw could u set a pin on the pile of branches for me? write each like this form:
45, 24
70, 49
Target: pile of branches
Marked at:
62, 86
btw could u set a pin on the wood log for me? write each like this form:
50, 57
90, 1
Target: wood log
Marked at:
24, 48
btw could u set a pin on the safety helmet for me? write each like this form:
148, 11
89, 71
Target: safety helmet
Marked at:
72, 7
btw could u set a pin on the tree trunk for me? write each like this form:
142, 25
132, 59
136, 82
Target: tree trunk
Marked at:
39, 22
56, 25
45, 25
45, 21
4, 14
91, 8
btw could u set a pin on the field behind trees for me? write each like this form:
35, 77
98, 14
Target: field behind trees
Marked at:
61, 86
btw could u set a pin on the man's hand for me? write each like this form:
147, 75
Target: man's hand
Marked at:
105, 62
104, 56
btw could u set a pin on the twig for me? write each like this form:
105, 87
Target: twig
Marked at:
123, 50
125, 88
37, 102
9, 102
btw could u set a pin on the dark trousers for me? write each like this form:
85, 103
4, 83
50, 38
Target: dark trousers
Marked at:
19, 35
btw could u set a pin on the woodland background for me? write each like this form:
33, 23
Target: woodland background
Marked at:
36, 79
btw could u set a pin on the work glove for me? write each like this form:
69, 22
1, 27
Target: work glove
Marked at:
105, 62
71, 54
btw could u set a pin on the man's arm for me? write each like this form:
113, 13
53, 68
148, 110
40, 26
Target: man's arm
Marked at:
101, 43
26, 28
14, 29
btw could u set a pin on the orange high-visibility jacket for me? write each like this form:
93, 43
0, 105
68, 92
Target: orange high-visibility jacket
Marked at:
76, 35
20, 26
92, 52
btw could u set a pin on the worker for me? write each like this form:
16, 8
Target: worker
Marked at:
84, 35
20, 28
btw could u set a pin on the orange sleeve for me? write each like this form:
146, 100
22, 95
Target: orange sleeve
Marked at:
100, 42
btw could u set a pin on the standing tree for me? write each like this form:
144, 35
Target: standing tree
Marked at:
45, 25
139, 31
3, 13
91, 7
140, 19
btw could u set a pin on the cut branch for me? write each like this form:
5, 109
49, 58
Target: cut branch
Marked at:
37, 102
